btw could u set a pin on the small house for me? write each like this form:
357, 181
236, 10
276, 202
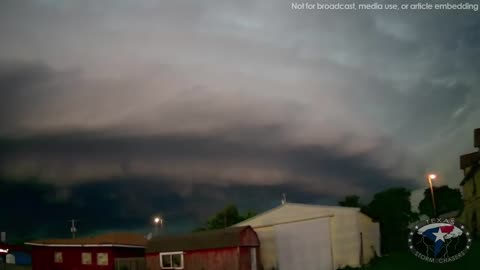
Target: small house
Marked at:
86, 253
234, 248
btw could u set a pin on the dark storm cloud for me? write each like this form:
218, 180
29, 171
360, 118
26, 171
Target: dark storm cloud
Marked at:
127, 196
190, 160
126, 204
234, 97
104, 151
35, 209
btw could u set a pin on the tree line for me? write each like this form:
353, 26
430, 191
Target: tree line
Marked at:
393, 211
391, 208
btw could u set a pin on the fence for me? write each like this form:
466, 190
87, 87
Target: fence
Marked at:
130, 264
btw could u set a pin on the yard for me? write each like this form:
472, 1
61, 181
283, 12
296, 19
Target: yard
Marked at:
403, 261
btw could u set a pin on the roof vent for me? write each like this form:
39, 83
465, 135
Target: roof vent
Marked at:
284, 198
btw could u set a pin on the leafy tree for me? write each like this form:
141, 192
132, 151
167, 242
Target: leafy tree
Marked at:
227, 217
350, 201
249, 214
446, 200
392, 209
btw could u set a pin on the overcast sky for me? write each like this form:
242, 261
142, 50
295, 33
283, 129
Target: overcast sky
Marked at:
247, 99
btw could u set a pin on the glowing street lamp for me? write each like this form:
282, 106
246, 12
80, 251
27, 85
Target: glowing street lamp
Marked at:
430, 178
158, 220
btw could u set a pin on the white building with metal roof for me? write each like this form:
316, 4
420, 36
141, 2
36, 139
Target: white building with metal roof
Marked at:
315, 237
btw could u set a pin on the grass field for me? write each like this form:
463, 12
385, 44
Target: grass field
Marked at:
407, 261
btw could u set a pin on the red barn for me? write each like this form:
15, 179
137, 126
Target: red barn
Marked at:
87, 253
234, 248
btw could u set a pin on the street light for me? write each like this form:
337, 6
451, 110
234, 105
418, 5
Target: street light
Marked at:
157, 220
430, 178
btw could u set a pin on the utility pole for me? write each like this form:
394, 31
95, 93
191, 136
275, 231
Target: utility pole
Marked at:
73, 229
430, 178
156, 221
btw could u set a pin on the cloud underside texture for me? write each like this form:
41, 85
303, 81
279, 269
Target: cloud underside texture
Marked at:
190, 105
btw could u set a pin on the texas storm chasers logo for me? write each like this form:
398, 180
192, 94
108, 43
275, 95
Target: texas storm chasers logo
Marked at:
439, 240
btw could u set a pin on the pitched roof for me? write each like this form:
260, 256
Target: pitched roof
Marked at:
470, 173
294, 212
10, 247
469, 160
228, 237
119, 239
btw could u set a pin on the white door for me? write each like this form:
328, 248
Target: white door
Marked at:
304, 245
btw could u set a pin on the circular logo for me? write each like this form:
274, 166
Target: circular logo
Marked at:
439, 240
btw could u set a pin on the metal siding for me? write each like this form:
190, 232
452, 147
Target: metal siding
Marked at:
344, 231
42, 257
268, 250
297, 249
243, 259
153, 261
371, 237
128, 252
248, 237
131, 263
345, 235
214, 259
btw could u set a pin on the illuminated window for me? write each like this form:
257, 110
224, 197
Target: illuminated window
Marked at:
171, 260
58, 257
86, 258
102, 258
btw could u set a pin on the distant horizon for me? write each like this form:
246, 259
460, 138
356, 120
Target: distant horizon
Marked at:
174, 226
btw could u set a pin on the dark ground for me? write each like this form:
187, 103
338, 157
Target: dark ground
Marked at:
407, 261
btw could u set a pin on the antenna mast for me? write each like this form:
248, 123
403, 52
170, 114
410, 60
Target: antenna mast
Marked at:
73, 229
284, 198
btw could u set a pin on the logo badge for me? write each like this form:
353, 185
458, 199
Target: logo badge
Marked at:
439, 240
